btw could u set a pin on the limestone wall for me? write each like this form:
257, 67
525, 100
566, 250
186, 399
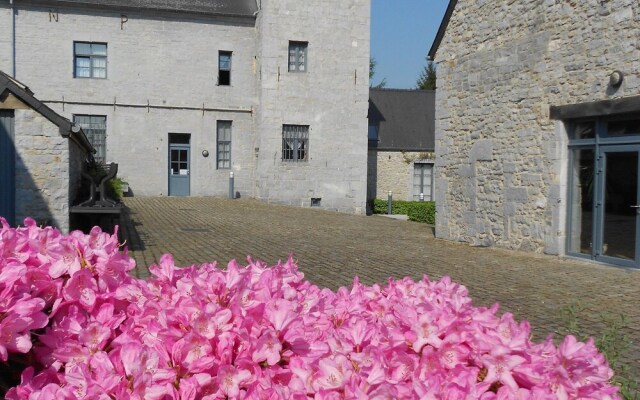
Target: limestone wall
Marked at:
395, 173
159, 59
331, 97
501, 162
169, 62
42, 170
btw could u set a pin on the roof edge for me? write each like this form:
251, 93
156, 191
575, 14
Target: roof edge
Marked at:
126, 7
66, 127
441, 30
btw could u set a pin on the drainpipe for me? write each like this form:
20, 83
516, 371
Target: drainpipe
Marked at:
13, 40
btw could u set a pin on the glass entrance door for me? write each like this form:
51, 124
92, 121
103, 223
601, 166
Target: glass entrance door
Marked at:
618, 205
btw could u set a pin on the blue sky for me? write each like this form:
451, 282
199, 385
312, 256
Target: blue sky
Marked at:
402, 32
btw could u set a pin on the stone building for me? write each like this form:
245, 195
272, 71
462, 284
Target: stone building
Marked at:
401, 144
538, 126
182, 93
41, 158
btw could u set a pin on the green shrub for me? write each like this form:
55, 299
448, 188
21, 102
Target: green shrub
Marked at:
419, 211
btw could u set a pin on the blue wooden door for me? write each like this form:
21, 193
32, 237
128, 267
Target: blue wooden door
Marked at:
7, 166
179, 169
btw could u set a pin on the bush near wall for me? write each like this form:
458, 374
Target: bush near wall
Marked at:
74, 324
419, 211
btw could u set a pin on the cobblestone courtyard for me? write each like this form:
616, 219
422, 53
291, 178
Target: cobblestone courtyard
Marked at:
332, 248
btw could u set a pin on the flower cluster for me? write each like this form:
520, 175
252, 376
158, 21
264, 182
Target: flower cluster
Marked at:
259, 332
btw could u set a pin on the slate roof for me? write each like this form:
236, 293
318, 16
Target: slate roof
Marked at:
406, 118
237, 8
21, 91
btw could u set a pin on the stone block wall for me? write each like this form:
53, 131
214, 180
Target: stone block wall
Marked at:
395, 173
42, 170
169, 62
158, 59
501, 162
331, 97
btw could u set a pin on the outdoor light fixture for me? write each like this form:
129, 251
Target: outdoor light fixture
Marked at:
616, 77
205, 153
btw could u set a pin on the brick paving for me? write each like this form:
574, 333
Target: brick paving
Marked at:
331, 248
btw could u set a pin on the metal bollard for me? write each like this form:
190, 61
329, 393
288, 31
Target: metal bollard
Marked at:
389, 201
231, 195
421, 196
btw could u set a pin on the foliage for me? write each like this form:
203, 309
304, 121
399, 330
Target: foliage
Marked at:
427, 79
114, 186
84, 328
612, 342
419, 211
372, 72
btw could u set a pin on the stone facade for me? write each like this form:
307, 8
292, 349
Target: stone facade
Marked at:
47, 170
501, 166
395, 171
331, 97
162, 79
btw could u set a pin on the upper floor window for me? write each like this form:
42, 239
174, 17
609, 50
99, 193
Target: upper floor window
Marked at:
373, 131
95, 127
295, 142
224, 68
90, 60
298, 56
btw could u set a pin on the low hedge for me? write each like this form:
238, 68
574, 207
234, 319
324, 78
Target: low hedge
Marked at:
419, 211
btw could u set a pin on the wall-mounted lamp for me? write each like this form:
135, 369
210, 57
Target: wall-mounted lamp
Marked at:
205, 153
615, 79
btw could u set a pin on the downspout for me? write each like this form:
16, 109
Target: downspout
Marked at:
13, 40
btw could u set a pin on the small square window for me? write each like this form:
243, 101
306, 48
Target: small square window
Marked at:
224, 144
298, 56
224, 68
295, 143
90, 60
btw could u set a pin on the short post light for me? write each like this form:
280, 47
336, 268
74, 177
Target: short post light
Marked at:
421, 197
389, 201
231, 195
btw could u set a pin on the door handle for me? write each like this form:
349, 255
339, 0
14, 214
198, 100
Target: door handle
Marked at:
636, 206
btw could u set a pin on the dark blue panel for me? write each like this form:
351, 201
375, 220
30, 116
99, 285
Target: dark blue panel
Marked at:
7, 166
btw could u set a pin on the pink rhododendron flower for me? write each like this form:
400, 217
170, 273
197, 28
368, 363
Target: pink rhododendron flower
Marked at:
91, 331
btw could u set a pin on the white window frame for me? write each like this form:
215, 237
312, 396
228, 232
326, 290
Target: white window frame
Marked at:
297, 57
295, 143
95, 128
93, 57
427, 196
223, 144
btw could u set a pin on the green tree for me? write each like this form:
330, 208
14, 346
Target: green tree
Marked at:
427, 79
372, 72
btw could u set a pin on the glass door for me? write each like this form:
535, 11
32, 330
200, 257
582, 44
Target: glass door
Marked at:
618, 205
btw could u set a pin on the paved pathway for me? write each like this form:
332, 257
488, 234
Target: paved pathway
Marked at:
331, 248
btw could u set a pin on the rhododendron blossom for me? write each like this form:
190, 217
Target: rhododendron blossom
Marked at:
78, 326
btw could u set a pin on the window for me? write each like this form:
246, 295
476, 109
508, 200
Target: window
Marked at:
295, 142
373, 132
297, 56
224, 144
95, 127
90, 60
224, 68
422, 181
